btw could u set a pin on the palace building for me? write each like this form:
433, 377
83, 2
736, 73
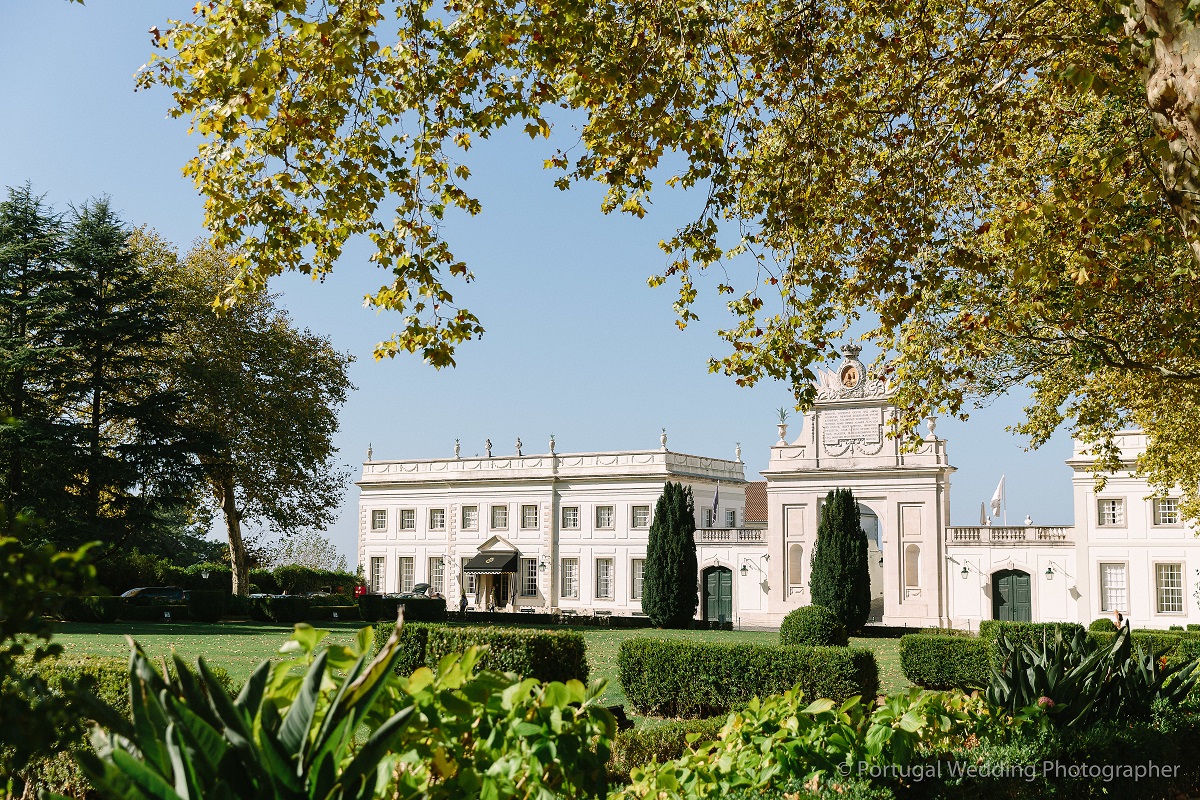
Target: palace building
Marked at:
567, 532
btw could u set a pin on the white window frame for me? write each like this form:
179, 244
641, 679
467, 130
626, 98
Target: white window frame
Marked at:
1112, 596
437, 519
637, 577
470, 584
731, 518
437, 575
570, 518
644, 513
492, 513
408, 573
1160, 587
1165, 518
612, 518
408, 519
379, 519
525, 512
378, 567
473, 523
570, 577
604, 572
1115, 512
706, 518
529, 577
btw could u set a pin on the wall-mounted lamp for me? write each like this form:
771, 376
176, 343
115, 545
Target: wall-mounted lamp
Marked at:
744, 571
542, 564
204, 574
964, 572
1049, 573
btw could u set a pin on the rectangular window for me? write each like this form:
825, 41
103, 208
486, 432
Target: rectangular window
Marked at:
1113, 595
499, 518
379, 519
570, 577
377, 575
406, 573
437, 575
570, 518
529, 583
470, 518
529, 516
604, 579
437, 519
1168, 579
707, 516
604, 516
1166, 511
408, 519
638, 572
730, 517
468, 578
1111, 513
641, 516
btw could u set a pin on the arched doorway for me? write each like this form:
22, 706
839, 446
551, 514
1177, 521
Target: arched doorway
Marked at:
869, 523
1012, 598
717, 602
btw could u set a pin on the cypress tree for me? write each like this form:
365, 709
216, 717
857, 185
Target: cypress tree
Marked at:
840, 578
669, 596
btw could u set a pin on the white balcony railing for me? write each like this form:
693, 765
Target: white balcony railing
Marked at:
731, 536
1010, 534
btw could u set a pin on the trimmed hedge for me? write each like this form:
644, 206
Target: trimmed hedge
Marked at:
377, 608
1030, 633
662, 743
156, 612
945, 662
1102, 625
206, 605
336, 613
813, 625
287, 609
92, 609
543, 654
695, 679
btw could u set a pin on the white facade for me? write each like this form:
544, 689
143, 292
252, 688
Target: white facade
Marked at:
578, 523
575, 528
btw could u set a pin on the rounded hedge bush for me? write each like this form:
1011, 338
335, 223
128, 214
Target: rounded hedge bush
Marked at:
1103, 625
813, 625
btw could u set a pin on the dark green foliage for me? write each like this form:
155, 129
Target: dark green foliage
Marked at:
370, 606
297, 579
1176, 628
1103, 625
264, 581
669, 590
1087, 682
813, 625
945, 662
694, 679
220, 577
1192, 626
375, 608
335, 613
156, 612
947, 632
240, 606
840, 578
206, 605
92, 608
287, 609
661, 743
1031, 633
543, 654
121, 571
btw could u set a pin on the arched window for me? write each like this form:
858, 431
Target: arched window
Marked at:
795, 564
870, 526
912, 565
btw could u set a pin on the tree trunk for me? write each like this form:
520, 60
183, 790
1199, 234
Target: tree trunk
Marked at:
239, 563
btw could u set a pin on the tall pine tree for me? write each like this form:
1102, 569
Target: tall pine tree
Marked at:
840, 579
669, 596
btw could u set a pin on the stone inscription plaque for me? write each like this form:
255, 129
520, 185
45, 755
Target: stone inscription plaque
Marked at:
852, 425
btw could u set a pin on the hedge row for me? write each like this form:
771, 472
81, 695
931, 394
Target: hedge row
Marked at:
937, 661
694, 679
211, 606
1030, 633
375, 608
136, 569
543, 654
662, 743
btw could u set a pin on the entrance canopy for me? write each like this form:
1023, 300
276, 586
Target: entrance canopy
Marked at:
493, 562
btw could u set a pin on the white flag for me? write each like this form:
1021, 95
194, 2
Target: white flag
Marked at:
998, 497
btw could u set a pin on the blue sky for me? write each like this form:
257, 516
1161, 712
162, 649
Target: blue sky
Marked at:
577, 345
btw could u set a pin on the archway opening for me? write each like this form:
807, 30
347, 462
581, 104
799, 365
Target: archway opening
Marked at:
869, 523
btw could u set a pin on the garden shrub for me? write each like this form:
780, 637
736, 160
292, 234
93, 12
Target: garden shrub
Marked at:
661, 743
220, 577
206, 605
813, 625
240, 606
697, 679
1103, 625
376, 608
92, 609
264, 581
341, 613
155, 612
1162, 642
947, 632
1192, 626
370, 606
286, 609
543, 654
1030, 633
944, 662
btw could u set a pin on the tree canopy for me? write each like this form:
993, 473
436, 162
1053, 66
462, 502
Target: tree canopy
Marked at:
840, 580
669, 596
1003, 191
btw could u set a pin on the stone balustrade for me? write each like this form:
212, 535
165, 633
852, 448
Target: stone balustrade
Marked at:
731, 536
1001, 535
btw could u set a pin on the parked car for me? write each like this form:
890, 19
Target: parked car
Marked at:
420, 590
146, 595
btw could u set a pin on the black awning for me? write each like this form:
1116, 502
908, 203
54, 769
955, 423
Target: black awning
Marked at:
493, 562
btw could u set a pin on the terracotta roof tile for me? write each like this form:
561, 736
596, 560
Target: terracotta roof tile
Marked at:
756, 501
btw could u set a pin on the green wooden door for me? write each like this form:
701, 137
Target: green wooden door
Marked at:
718, 594
1012, 598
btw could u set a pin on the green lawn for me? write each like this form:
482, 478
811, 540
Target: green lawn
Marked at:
238, 647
